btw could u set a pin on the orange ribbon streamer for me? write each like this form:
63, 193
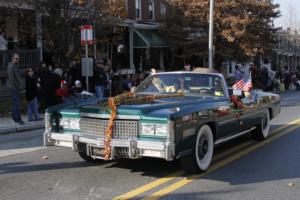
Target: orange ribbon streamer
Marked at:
124, 98
110, 127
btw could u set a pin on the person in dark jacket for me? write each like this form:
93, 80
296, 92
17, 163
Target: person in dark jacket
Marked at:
100, 80
16, 85
44, 75
31, 96
54, 85
127, 83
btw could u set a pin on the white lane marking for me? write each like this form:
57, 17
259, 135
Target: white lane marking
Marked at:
10, 152
94, 194
58, 182
92, 190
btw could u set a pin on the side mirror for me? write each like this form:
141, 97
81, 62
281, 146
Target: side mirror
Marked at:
132, 89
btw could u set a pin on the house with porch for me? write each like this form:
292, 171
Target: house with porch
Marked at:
22, 29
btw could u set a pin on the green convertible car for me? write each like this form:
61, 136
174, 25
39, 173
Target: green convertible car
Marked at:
170, 115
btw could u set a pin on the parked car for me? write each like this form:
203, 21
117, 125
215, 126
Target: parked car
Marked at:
171, 115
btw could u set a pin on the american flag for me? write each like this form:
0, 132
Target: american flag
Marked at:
245, 84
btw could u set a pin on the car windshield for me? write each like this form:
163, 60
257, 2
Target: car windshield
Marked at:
191, 84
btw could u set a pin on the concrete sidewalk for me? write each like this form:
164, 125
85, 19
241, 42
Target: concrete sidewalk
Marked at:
8, 126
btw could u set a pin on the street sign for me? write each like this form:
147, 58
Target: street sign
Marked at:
87, 66
86, 34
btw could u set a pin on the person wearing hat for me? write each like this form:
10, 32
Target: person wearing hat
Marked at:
77, 88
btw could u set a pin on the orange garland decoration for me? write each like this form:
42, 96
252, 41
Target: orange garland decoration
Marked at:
110, 127
128, 98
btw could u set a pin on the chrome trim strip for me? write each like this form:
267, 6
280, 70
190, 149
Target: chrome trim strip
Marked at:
242, 117
151, 145
59, 136
227, 121
107, 116
225, 139
166, 150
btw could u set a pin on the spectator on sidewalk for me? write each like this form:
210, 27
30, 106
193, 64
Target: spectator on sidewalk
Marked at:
3, 47
16, 85
44, 75
287, 78
77, 88
238, 73
127, 83
31, 96
55, 84
253, 71
100, 80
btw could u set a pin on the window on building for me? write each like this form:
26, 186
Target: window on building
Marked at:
163, 9
151, 9
138, 9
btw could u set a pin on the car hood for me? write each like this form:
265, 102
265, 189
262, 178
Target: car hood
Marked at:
165, 108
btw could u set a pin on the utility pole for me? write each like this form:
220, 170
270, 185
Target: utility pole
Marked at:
211, 34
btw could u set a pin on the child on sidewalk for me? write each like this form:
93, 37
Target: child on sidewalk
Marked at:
31, 96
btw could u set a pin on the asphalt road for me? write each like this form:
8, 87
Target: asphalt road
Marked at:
242, 169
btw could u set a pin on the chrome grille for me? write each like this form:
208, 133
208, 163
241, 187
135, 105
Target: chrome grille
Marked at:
95, 127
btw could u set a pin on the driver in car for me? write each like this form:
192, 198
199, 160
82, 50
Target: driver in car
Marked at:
218, 87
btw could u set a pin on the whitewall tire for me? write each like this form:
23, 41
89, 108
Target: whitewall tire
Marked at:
262, 131
201, 157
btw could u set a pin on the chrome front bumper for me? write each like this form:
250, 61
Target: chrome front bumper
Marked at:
136, 148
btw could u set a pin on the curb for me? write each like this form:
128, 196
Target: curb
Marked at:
22, 128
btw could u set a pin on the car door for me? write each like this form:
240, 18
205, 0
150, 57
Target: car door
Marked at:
248, 115
227, 119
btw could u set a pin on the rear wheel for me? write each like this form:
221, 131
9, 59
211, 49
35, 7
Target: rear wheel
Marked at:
200, 159
262, 131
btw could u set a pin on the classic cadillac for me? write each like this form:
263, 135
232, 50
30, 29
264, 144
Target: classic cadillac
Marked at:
171, 115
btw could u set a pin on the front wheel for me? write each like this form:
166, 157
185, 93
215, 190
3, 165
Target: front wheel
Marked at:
200, 159
262, 131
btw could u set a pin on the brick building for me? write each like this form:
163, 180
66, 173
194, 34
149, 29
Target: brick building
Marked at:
145, 47
141, 46
287, 52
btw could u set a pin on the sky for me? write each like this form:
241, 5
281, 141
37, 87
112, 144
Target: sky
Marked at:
285, 7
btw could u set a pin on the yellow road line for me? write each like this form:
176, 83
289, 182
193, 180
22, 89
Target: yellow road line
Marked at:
176, 174
187, 180
149, 186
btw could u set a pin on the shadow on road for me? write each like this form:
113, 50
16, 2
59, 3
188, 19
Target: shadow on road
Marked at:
20, 167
